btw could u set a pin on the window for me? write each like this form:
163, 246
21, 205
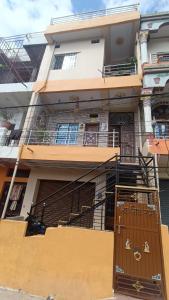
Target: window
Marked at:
67, 133
65, 61
20, 173
57, 46
161, 130
96, 41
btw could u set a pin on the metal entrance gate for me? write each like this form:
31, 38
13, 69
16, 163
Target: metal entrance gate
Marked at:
138, 255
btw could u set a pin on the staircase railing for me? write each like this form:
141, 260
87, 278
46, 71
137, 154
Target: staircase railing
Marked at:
42, 210
65, 206
149, 169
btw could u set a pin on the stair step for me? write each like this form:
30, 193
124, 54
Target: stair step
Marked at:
74, 214
109, 192
84, 207
62, 222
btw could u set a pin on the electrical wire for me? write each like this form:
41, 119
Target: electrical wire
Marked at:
85, 101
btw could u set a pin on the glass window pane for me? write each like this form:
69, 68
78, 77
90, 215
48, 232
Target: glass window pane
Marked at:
58, 62
67, 133
65, 61
62, 133
73, 129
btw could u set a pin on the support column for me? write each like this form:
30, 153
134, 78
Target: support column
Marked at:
30, 118
147, 114
144, 50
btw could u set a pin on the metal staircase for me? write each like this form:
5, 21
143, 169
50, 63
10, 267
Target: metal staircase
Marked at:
64, 206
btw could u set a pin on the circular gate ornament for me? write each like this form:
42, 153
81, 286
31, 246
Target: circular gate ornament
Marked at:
137, 256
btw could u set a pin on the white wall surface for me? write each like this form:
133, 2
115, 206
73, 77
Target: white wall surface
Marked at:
90, 59
10, 152
46, 62
15, 87
158, 45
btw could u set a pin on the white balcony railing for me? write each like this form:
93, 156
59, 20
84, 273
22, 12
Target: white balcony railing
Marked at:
86, 138
159, 58
120, 70
95, 14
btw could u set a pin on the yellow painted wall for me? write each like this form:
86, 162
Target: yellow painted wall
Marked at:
68, 153
87, 84
159, 146
71, 263
92, 23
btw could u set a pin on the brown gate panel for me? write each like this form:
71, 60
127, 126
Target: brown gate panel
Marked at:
138, 259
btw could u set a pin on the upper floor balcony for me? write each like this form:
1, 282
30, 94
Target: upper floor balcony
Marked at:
71, 137
120, 70
66, 146
157, 58
20, 58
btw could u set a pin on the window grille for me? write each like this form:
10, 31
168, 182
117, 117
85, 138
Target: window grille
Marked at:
65, 61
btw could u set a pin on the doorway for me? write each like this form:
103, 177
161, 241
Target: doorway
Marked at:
123, 124
16, 199
91, 137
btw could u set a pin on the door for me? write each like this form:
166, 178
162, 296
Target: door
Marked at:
16, 199
91, 134
137, 259
127, 141
123, 124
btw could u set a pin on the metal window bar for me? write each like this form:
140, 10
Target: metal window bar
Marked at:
95, 14
15, 63
119, 70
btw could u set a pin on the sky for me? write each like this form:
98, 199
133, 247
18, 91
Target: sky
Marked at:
24, 16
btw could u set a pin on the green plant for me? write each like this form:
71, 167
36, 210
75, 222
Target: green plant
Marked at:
133, 60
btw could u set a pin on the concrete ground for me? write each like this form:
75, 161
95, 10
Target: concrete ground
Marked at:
121, 297
16, 295
19, 295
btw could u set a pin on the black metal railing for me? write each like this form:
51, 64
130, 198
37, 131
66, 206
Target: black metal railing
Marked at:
148, 165
120, 70
51, 211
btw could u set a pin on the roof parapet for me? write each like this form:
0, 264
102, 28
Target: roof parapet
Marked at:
95, 14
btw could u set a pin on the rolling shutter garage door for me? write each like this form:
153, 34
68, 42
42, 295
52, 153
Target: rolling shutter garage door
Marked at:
60, 209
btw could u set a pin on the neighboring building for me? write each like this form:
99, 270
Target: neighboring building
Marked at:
154, 38
74, 157
20, 59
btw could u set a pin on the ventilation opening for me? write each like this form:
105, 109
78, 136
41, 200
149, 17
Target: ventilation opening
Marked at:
95, 41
